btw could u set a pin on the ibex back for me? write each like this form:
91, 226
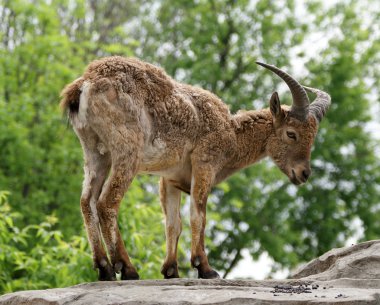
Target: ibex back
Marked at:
131, 117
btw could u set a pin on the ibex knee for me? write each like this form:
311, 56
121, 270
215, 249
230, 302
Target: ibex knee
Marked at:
85, 203
174, 227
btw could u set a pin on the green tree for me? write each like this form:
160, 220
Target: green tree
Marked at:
36, 150
36, 256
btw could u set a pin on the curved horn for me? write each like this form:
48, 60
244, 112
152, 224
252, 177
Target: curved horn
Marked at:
320, 105
300, 106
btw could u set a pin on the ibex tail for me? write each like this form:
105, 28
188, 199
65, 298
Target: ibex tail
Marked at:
71, 96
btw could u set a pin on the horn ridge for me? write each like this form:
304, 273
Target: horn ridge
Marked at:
300, 105
321, 104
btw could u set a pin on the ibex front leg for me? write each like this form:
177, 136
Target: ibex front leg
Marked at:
170, 202
200, 188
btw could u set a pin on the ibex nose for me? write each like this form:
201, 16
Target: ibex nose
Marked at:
301, 173
306, 173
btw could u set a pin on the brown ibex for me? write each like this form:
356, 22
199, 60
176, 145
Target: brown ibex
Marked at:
131, 117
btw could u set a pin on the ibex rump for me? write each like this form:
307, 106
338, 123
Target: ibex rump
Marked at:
131, 117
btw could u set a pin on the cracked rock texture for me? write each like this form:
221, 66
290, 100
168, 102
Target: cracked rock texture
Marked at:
341, 276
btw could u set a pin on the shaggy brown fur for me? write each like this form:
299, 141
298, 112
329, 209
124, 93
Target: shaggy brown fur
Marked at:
131, 117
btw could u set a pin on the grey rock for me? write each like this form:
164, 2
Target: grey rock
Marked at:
361, 261
187, 291
341, 276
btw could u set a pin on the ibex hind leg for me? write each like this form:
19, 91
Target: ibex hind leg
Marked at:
125, 148
96, 169
121, 135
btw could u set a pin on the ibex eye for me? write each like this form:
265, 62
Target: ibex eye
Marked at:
291, 135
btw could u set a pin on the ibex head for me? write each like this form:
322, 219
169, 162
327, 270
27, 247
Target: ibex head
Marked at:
295, 127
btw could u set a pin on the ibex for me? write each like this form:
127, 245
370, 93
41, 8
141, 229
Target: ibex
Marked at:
131, 118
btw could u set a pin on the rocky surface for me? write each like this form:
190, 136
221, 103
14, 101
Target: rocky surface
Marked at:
341, 276
361, 261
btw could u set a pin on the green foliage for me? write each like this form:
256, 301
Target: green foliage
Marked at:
37, 257
214, 44
40, 256
36, 149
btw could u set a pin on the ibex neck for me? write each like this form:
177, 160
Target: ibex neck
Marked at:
253, 129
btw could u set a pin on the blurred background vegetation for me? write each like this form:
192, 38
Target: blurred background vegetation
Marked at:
45, 44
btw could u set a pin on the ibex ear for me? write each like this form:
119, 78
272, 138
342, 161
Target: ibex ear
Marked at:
275, 108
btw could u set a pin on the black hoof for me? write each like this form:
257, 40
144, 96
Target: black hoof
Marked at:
129, 275
170, 271
208, 275
106, 273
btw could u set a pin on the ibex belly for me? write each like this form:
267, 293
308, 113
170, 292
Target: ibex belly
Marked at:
162, 159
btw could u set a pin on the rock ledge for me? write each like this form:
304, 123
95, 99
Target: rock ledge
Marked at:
342, 276
188, 291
